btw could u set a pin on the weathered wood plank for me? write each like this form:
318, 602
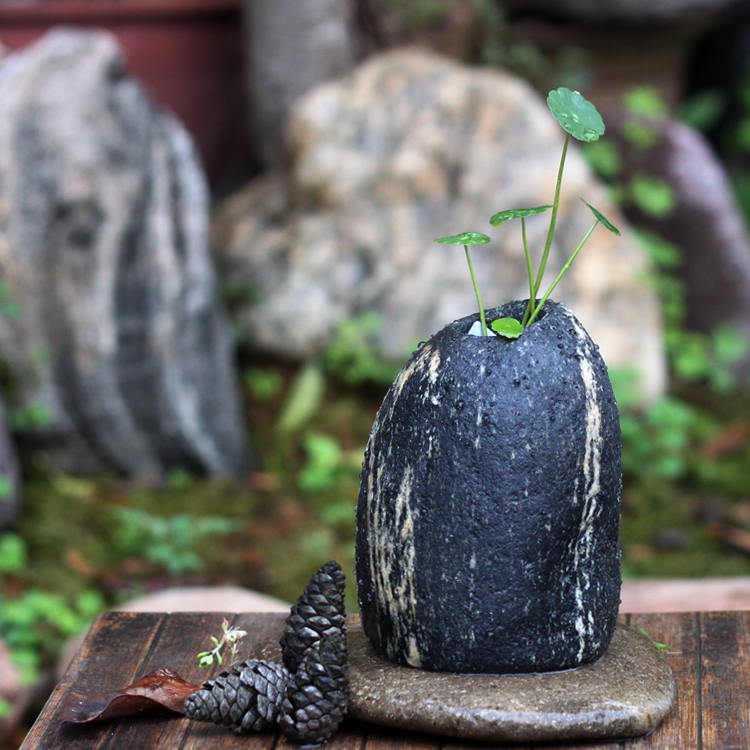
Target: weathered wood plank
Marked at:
712, 672
724, 680
464, 745
122, 647
108, 660
680, 728
180, 639
383, 738
200, 736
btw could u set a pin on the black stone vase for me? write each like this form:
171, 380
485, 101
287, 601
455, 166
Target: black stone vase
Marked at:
489, 503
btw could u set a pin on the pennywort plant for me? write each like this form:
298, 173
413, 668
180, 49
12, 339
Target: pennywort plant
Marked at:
580, 120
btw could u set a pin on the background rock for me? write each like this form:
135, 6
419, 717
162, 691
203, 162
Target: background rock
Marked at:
705, 223
291, 47
10, 476
103, 223
407, 148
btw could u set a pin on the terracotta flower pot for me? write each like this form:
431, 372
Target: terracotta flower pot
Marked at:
488, 514
188, 54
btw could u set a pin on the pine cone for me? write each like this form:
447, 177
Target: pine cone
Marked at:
317, 696
319, 613
246, 697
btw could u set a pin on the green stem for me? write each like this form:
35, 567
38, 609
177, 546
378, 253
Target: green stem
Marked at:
530, 267
531, 308
560, 275
476, 291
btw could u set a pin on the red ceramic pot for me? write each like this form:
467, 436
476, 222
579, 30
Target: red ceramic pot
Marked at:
188, 54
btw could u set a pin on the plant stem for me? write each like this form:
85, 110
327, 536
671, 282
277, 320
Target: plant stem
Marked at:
532, 308
476, 291
560, 275
530, 267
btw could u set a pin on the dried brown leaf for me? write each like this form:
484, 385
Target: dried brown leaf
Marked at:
157, 692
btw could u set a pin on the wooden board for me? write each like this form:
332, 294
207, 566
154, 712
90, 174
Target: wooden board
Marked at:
712, 670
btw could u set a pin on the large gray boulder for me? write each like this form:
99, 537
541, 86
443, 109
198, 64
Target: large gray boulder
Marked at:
407, 148
103, 221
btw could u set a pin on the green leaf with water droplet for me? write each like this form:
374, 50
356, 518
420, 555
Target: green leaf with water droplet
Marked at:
603, 220
508, 327
466, 238
516, 213
577, 115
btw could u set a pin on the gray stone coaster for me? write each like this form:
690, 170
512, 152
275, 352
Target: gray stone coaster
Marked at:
625, 694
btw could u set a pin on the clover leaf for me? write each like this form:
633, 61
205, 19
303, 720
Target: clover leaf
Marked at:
508, 327
466, 238
516, 213
577, 116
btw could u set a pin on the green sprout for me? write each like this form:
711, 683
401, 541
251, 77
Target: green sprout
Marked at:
580, 119
466, 239
231, 636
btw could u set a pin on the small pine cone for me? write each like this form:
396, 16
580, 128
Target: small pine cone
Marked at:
317, 696
246, 697
319, 613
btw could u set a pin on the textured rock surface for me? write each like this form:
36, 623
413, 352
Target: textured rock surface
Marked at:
407, 148
488, 512
625, 694
104, 248
706, 224
291, 47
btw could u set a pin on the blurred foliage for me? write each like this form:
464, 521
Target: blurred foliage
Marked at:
483, 33
35, 622
639, 131
304, 399
685, 446
419, 14
691, 444
172, 543
352, 356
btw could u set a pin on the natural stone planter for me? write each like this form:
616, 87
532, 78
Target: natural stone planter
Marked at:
488, 515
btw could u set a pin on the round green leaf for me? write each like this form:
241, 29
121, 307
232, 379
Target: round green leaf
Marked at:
467, 238
602, 219
576, 115
508, 327
516, 213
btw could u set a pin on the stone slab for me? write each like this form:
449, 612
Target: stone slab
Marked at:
625, 694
